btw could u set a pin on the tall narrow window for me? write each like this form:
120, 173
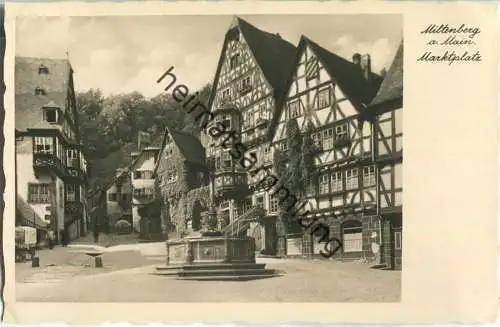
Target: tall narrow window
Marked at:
324, 98
294, 109
226, 163
336, 181
323, 184
226, 94
38, 193
44, 144
342, 132
267, 154
273, 203
317, 139
246, 84
327, 139
72, 158
70, 192
352, 181
235, 61
368, 176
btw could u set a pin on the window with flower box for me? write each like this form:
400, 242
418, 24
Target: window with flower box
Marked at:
38, 193
44, 144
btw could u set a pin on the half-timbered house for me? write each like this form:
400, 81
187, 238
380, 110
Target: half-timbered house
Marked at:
51, 170
327, 94
247, 90
386, 115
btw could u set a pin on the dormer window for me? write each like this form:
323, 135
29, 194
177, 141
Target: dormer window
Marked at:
50, 115
235, 61
225, 94
39, 91
312, 68
42, 69
246, 84
294, 109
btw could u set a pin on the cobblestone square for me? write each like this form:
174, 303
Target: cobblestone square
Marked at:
126, 277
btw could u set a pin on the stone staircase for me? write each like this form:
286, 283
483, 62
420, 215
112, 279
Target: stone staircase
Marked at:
242, 223
218, 271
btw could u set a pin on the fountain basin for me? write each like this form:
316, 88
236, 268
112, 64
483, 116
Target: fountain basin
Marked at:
213, 258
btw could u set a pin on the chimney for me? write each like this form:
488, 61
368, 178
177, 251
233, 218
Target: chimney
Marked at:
143, 139
356, 59
366, 66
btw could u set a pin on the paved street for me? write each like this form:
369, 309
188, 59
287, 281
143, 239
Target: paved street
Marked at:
126, 277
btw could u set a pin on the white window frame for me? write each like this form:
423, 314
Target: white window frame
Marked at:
294, 109
44, 144
324, 101
368, 176
71, 157
327, 136
342, 131
273, 204
352, 179
45, 113
39, 193
336, 181
324, 188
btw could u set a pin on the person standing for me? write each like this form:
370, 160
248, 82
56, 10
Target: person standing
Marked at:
51, 237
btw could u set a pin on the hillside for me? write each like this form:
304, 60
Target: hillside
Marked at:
110, 126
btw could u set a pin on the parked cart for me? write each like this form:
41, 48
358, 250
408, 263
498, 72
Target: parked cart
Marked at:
25, 243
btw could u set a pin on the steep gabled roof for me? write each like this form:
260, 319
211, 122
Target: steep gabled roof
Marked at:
273, 55
189, 146
156, 143
391, 88
27, 79
346, 74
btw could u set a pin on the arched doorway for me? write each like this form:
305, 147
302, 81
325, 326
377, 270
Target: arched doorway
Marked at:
352, 236
256, 233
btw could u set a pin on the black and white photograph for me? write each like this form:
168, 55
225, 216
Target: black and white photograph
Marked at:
209, 158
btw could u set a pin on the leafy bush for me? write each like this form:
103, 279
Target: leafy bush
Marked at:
123, 227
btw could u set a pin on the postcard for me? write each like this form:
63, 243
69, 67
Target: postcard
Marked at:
243, 162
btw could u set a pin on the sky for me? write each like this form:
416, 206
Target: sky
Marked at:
121, 54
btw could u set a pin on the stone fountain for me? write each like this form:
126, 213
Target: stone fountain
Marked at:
210, 255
